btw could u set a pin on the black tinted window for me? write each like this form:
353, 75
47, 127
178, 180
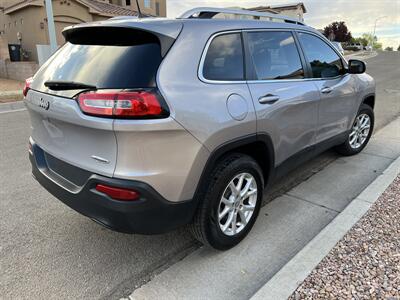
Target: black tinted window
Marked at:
324, 61
275, 55
224, 59
104, 66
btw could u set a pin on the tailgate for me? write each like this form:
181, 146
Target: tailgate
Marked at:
62, 130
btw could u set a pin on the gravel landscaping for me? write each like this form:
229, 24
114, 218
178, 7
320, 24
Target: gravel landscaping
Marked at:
365, 264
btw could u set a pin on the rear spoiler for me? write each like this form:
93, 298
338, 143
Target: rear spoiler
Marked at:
120, 32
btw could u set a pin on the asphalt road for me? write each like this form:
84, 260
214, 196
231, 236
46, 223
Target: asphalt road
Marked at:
49, 251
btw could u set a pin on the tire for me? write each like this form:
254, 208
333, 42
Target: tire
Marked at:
206, 226
348, 148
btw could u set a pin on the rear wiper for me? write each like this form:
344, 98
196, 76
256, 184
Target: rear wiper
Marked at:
68, 85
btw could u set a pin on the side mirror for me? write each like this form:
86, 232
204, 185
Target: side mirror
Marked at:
356, 66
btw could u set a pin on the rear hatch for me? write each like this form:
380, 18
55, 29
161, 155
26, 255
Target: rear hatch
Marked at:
106, 58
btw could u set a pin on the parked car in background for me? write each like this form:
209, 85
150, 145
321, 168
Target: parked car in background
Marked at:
354, 47
147, 125
339, 47
368, 48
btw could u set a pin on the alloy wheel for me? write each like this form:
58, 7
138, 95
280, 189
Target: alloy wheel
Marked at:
237, 204
360, 131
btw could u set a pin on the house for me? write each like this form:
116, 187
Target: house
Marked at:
150, 7
295, 10
25, 22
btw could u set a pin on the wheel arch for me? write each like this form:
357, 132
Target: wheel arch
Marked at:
258, 146
369, 100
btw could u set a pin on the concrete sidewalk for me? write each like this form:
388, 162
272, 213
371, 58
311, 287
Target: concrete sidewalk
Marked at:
10, 90
287, 280
285, 226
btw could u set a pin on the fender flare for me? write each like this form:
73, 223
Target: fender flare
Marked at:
229, 147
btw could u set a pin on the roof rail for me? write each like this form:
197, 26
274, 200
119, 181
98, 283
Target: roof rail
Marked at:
210, 12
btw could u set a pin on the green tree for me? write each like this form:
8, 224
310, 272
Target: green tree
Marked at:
360, 40
371, 40
398, 48
338, 32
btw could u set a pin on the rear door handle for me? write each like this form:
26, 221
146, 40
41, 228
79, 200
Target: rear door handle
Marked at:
268, 99
326, 90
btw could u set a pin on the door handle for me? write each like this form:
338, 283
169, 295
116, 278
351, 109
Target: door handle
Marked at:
268, 99
326, 90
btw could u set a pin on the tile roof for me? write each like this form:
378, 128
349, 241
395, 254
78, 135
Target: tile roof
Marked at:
100, 7
110, 9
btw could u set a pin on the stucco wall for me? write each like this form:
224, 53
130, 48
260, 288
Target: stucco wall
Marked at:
296, 13
152, 10
31, 22
3, 69
27, 22
19, 70
67, 13
4, 54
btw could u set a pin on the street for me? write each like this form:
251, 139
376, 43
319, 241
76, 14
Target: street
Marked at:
49, 251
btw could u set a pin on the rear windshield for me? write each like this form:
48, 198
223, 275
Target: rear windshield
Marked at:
108, 64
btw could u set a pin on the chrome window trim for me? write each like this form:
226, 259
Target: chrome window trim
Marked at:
203, 58
209, 81
294, 80
322, 38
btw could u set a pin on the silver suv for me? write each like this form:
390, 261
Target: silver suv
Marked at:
146, 125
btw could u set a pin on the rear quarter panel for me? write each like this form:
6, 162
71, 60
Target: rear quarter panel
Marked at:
199, 107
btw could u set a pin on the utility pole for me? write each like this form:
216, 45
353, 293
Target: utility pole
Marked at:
50, 25
373, 35
138, 9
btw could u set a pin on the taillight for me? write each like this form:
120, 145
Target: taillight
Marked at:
118, 193
132, 104
27, 86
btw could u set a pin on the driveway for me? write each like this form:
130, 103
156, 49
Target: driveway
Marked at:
49, 251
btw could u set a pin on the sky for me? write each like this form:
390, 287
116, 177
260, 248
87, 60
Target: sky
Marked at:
359, 15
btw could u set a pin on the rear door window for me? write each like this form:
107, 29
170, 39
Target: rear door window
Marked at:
104, 62
275, 55
224, 60
324, 61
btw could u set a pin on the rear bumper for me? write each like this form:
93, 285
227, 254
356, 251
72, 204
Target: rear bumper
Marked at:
151, 214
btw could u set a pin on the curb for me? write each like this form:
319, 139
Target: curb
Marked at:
361, 55
289, 278
11, 96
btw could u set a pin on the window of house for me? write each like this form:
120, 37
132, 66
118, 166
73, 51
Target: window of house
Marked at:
147, 3
275, 55
22, 21
325, 63
128, 2
157, 8
224, 59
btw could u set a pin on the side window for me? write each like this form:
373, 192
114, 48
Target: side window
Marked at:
275, 55
224, 59
325, 63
